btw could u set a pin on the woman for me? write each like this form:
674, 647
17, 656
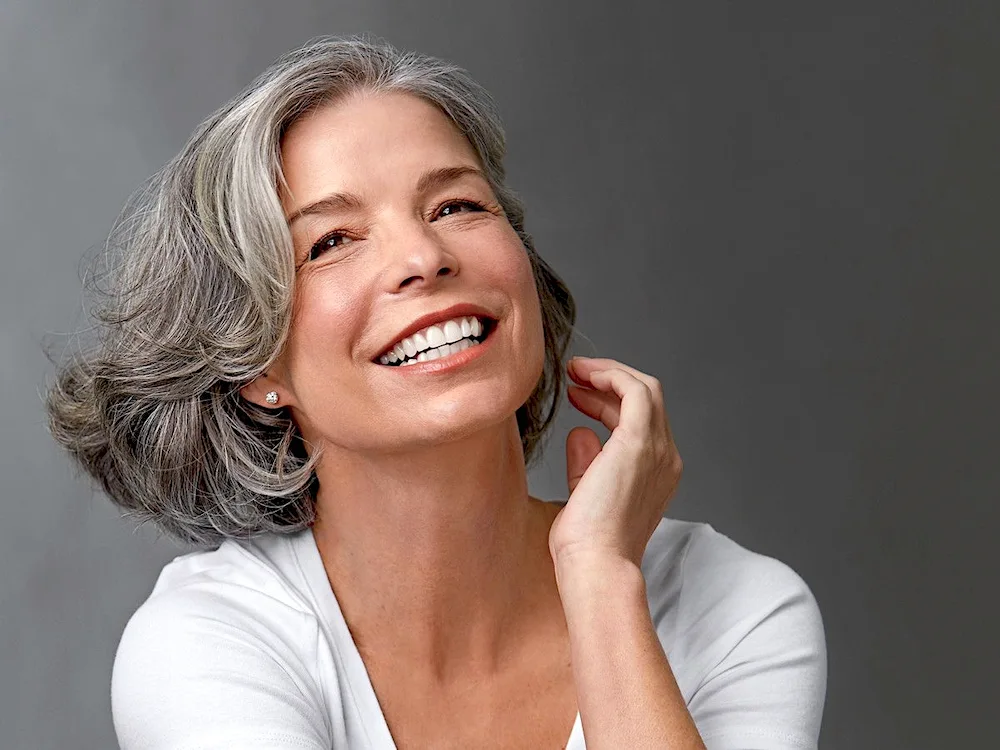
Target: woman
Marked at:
329, 354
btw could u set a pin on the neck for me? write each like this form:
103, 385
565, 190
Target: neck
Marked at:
439, 559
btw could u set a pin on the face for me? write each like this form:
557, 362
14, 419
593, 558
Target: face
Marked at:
392, 221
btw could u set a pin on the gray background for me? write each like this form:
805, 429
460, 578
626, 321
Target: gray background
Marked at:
783, 210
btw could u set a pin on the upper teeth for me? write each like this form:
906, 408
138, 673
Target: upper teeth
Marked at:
433, 337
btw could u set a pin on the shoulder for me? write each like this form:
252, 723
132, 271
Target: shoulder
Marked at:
701, 571
223, 644
264, 566
707, 593
244, 590
743, 633
243, 584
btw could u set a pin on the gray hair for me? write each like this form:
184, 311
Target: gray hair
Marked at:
201, 300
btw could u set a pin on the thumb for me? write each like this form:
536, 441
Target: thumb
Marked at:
582, 447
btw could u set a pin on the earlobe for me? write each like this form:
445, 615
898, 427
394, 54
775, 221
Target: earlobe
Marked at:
261, 391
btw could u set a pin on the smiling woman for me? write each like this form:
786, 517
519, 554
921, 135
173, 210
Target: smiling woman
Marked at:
395, 228
217, 246
329, 353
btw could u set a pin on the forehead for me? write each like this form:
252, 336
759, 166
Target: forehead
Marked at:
370, 138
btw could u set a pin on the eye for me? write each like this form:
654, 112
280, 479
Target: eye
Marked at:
328, 241
453, 207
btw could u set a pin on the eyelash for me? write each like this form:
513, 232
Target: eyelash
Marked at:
320, 244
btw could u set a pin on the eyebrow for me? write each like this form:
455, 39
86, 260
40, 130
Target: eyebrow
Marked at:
428, 181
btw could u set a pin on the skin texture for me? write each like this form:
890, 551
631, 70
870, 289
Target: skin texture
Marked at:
480, 612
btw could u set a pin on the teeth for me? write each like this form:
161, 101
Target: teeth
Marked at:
442, 339
452, 331
441, 351
435, 336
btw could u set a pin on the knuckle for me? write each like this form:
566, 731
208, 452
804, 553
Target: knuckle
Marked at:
643, 390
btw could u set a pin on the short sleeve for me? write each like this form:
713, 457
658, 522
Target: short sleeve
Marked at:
195, 673
768, 690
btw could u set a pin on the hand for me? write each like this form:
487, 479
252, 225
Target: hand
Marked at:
618, 492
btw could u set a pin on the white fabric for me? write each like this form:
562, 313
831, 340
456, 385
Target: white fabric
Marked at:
245, 647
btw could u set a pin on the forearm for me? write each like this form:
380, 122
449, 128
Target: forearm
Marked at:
626, 690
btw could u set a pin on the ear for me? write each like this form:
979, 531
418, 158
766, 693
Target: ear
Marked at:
256, 391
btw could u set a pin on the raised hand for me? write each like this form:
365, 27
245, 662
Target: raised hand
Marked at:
618, 492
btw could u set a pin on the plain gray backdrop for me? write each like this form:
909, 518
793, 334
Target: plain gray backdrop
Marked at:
786, 211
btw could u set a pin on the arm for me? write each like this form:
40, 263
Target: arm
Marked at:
626, 690
765, 692
766, 689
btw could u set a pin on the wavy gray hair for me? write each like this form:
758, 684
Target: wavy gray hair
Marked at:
201, 298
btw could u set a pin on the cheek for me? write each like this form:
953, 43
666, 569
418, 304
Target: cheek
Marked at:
512, 270
328, 312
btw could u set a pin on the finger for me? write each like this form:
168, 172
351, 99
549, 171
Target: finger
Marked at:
582, 447
598, 405
581, 368
637, 412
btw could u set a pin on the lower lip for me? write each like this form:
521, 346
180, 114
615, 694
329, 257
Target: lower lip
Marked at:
452, 361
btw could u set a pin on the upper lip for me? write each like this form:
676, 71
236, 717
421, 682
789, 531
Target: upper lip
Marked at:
455, 311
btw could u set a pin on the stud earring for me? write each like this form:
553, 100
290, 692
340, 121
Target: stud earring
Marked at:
271, 397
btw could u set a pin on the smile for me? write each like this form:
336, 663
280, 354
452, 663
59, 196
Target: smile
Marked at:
450, 355
439, 340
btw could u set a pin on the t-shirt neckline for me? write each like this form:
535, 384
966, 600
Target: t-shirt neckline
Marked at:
358, 680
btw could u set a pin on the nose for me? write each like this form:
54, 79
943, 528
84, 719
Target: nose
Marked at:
418, 258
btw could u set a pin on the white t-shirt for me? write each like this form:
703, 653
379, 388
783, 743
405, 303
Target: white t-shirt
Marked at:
245, 646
